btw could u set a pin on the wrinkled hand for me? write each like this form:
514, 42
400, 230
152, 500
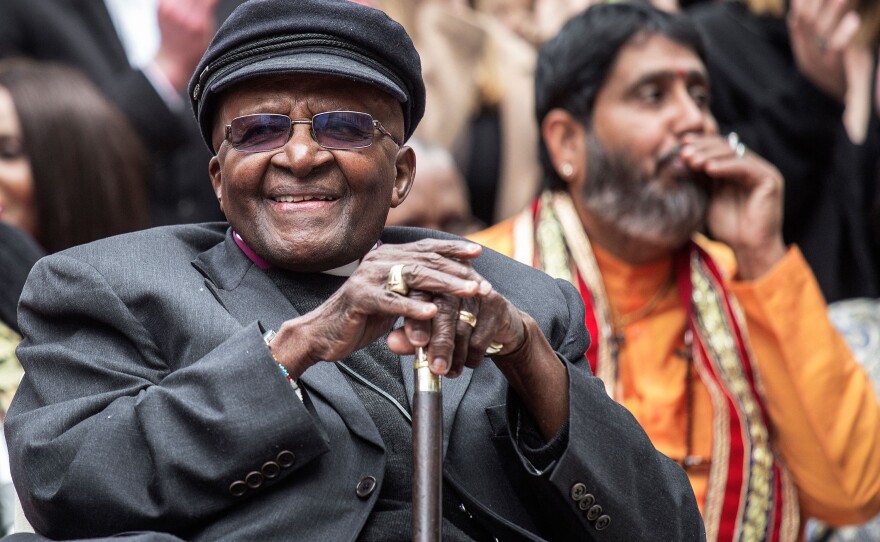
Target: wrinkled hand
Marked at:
363, 310
441, 283
821, 31
745, 210
187, 27
452, 342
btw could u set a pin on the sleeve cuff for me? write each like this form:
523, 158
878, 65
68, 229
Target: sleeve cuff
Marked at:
791, 269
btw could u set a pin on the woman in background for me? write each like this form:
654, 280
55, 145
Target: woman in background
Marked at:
72, 170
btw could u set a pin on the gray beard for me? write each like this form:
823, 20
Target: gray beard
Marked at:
639, 205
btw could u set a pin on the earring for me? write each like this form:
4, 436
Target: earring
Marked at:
566, 169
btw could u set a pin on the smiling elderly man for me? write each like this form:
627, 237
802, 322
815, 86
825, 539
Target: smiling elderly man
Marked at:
252, 380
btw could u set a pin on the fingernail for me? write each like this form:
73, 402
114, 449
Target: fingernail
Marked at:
420, 337
485, 287
439, 365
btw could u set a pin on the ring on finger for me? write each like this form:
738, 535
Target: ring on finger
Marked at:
494, 348
468, 318
395, 282
739, 148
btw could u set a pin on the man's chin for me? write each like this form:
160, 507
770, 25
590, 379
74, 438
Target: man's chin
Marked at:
666, 239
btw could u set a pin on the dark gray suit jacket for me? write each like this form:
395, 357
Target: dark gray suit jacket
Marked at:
149, 392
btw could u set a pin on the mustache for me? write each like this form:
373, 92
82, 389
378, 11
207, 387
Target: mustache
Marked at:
698, 178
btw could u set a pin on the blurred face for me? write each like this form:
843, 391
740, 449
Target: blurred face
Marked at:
656, 93
437, 200
17, 206
303, 207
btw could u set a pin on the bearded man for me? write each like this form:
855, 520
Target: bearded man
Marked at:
251, 379
721, 349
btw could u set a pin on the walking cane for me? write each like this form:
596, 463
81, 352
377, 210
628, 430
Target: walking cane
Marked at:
427, 452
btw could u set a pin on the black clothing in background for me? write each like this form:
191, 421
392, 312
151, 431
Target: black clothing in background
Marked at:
18, 253
81, 34
758, 92
483, 168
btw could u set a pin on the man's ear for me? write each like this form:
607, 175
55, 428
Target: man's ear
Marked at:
566, 141
216, 174
406, 173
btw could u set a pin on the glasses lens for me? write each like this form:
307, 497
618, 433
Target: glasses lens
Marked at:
255, 133
343, 129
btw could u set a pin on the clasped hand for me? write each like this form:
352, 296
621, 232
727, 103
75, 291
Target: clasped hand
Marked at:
745, 207
447, 306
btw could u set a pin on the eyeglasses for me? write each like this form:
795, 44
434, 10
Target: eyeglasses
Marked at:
331, 130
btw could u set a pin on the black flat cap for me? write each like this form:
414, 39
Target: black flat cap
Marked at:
332, 37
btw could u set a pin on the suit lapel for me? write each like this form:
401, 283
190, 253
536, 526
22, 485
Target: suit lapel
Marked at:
248, 294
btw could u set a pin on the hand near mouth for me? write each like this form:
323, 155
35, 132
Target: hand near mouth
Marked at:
745, 209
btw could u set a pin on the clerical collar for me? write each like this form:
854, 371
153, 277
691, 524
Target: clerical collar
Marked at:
341, 271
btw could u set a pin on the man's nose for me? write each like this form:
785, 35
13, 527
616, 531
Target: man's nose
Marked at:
301, 153
690, 117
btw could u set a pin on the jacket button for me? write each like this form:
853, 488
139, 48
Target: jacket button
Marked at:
237, 488
270, 469
285, 458
603, 522
254, 479
366, 486
586, 501
594, 512
577, 491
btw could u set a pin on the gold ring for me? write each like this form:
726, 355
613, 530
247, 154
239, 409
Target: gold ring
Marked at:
395, 282
468, 318
494, 348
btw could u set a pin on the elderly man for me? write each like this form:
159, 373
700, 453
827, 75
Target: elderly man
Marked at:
155, 397
723, 352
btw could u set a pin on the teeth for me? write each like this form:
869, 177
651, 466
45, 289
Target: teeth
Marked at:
297, 199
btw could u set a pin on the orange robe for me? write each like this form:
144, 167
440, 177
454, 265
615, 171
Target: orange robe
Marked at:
823, 410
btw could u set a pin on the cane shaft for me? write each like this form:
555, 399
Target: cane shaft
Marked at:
427, 453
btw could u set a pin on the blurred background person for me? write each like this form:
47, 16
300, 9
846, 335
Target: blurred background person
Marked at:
438, 199
140, 53
72, 169
478, 74
794, 80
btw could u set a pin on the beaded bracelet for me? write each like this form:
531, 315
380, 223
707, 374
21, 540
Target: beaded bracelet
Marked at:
268, 336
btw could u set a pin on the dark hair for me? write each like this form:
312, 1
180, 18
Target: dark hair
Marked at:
573, 66
90, 169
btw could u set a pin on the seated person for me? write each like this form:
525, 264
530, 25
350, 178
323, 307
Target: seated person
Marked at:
723, 352
248, 381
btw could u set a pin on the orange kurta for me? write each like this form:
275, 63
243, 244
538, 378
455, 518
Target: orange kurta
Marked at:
823, 410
